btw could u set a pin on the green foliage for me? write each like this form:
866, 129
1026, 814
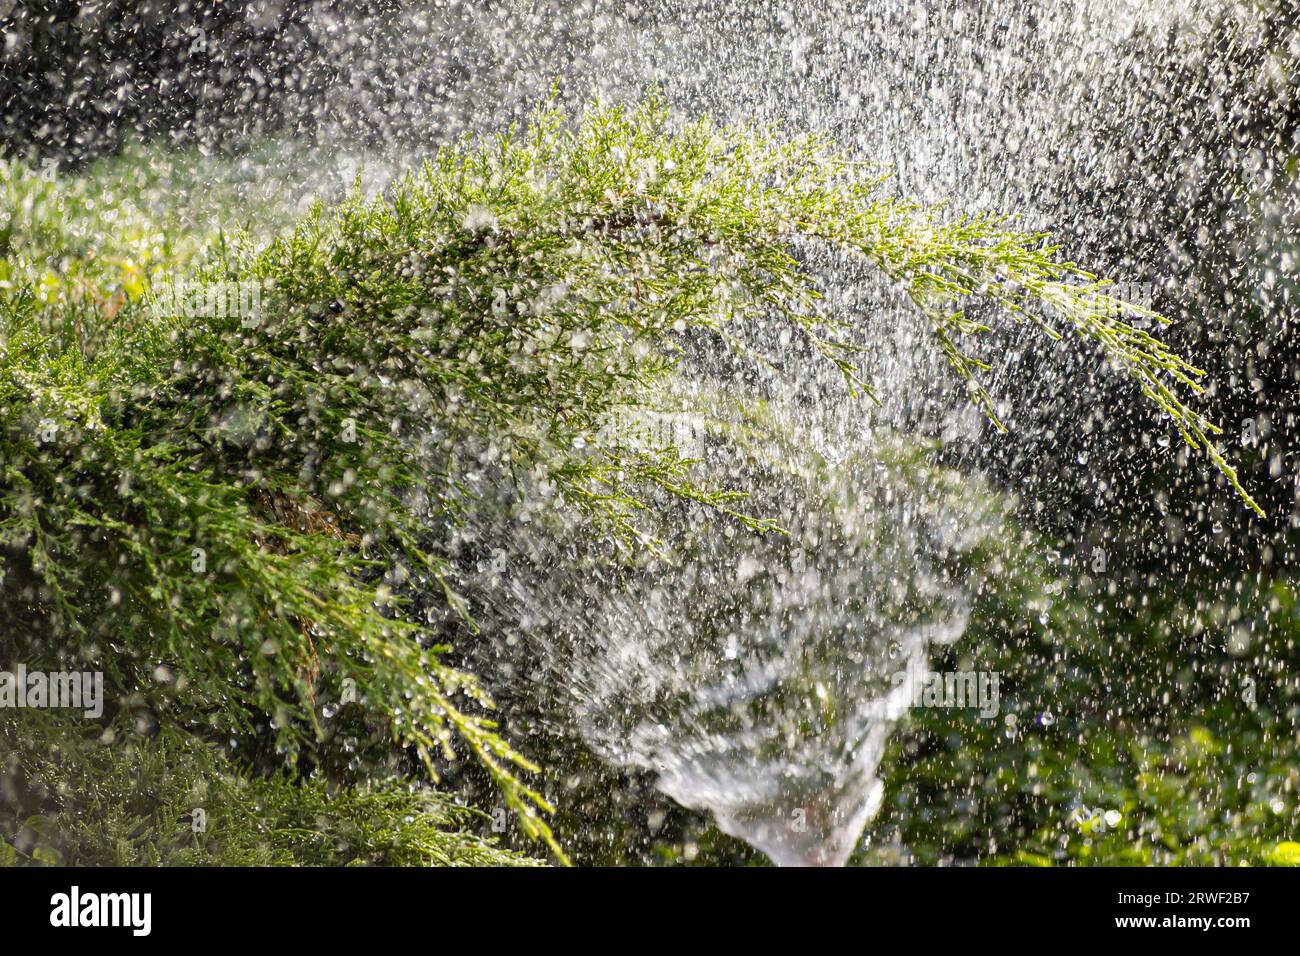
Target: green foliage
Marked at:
237, 520
83, 801
1139, 726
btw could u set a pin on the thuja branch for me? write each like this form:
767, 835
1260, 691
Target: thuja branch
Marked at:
481, 323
